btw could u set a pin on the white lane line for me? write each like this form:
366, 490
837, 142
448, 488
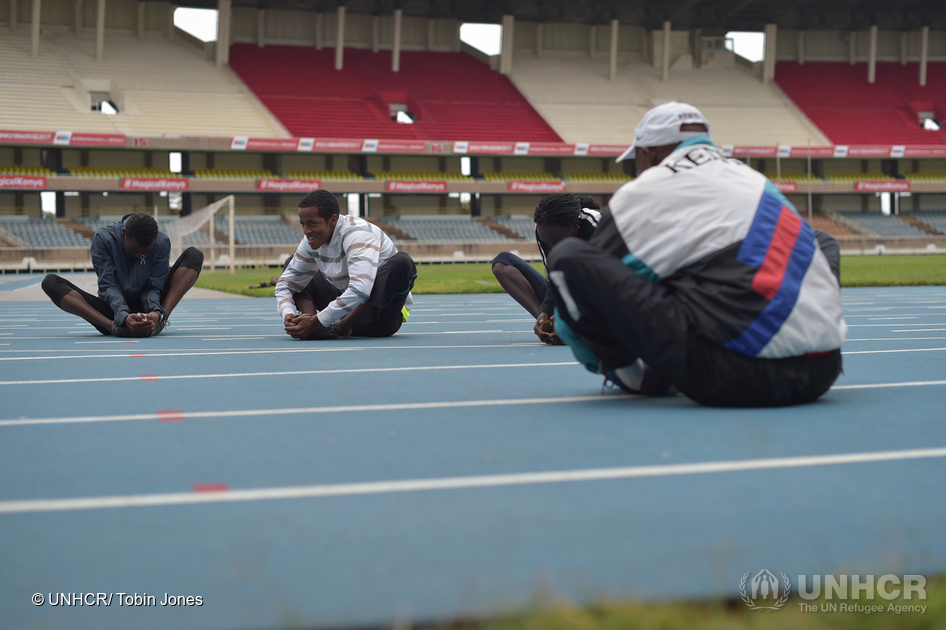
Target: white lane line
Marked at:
461, 483
160, 377
193, 415
140, 352
921, 330
894, 324
898, 338
892, 351
881, 385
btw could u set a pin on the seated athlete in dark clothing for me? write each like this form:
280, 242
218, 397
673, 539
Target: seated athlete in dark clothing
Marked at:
557, 216
137, 291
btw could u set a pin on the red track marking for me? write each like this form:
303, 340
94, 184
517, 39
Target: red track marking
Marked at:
129, 341
170, 415
137, 354
149, 377
210, 487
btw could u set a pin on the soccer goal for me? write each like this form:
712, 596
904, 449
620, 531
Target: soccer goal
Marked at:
194, 222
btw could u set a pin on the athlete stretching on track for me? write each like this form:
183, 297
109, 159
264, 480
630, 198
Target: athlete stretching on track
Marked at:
703, 277
346, 277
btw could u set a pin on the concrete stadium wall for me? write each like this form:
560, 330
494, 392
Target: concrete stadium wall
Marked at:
304, 28
834, 45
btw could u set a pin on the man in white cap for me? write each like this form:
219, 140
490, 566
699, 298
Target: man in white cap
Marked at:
701, 277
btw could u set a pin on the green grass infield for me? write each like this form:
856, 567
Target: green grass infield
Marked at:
856, 271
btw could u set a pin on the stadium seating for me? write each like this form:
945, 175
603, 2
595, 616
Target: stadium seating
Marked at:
505, 176
522, 224
926, 177
573, 92
95, 171
935, 219
264, 230
601, 178
423, 176
43, 232
25, 170
164, 87
451, 229
882, 225
793, 177
837, 97
339, 175
855, 177
215, 173
451, 95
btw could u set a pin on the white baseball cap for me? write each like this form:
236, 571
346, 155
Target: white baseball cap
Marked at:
661, 126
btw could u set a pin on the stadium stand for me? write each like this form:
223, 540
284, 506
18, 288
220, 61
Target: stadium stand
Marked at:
854, 177
423, 176
96, 171
793, 177
261, 230
934, 219
603, 178
42, 232
24, 169
214, 173
451, 95
838, 99
161, 87
882, 225
573, 93
926, 177
504, 176
521, 224
452, 229
339, 175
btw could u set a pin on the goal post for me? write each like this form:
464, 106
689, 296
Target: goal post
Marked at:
195, 221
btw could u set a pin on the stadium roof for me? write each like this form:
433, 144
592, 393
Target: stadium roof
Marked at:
709, 15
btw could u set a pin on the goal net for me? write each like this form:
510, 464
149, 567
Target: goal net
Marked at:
196, 222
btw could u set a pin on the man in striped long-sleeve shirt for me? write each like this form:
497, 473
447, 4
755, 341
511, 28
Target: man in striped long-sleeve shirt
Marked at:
345, 278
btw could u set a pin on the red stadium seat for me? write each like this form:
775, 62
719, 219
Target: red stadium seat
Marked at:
452, 96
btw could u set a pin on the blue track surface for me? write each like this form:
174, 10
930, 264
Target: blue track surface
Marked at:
457, 468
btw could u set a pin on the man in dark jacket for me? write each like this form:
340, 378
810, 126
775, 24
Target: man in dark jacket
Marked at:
557, 217
137, 291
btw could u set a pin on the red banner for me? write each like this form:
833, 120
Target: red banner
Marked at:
264, 144
502, 148
336, 144
402, 146
288, 185
786, 187
882, 186
536, 187
153, 183
868, 150
751, 151
551, 148
31, 182
815, 152
606, 150
30, 137
924, 151
415, 187
82, 139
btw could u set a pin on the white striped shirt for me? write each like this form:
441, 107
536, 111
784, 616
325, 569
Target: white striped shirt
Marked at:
350, 261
